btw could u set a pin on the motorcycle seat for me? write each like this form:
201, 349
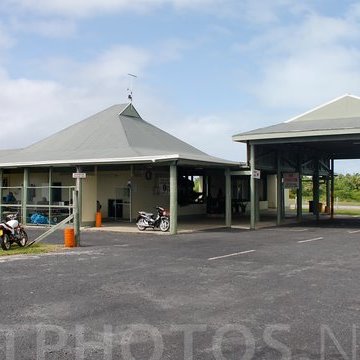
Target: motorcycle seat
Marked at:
146, 213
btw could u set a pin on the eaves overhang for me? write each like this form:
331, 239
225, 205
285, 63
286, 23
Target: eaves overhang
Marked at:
125, 160
297, 136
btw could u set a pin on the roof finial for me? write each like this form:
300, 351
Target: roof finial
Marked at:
130, 88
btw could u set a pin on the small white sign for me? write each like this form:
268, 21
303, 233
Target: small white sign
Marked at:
256, 174
79, 175
291, 180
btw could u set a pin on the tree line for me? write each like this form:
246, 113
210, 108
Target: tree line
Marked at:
347, 188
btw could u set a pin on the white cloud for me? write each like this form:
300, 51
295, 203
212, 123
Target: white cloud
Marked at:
6, 40
53, 28
260, 11
79, 90
307, 63
81, 8
25, 104
32, 110
114, 64
211, 134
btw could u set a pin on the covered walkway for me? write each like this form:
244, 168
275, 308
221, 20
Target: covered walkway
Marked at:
196, 224
303, 148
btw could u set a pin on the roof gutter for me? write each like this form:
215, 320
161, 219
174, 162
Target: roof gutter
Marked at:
127, 160
137, 159
295, 134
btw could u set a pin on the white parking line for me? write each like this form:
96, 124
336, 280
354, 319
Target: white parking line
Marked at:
234, 254
123, 245
289, 230
304, 241
353, 231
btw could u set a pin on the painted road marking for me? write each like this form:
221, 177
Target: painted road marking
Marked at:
234, 254
289, 230
309, 240
123, 245
353, 231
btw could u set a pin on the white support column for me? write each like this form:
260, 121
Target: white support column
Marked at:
76, 217
279, 197
130, 191
257, 200
332, 190
228, 208
299, 191
50, 192
79, 188
328, 194
24, 195
316, 188
77, 195
1, 192
252, 189
173, 199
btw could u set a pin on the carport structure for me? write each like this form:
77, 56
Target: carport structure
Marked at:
306, 145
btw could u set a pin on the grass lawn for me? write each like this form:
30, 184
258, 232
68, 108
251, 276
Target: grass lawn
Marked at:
32, 250
347, 212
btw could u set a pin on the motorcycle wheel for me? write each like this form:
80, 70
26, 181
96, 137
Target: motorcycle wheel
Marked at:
141, 224
23, 238
164, 225
5, 242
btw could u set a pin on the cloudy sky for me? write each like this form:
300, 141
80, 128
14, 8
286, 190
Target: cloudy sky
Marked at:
206, 69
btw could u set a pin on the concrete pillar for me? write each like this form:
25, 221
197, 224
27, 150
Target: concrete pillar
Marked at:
130, 189
316, 189
76, 216
228, 207
328, 194
77, 202
79, 189
24, 195
299, 192
279, 197
1, 192
252, 189
50, 191
332, 190
173, 199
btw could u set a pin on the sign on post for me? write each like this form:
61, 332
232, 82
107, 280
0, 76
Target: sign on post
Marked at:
291, 180
79, 175
256, 174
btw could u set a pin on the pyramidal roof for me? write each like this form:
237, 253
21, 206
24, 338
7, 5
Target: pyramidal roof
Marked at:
340, 116
115, 135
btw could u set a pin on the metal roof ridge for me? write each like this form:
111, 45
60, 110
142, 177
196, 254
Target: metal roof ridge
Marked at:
321, 106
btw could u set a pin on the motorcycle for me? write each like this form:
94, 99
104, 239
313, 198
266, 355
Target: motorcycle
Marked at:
147, 220
11, 231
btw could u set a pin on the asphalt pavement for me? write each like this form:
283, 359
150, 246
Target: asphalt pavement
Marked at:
276, 293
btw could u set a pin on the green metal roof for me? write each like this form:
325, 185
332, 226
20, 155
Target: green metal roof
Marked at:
339, 117
115, 135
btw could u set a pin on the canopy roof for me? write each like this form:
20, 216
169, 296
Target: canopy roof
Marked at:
115, 135
338, 117
332, 128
